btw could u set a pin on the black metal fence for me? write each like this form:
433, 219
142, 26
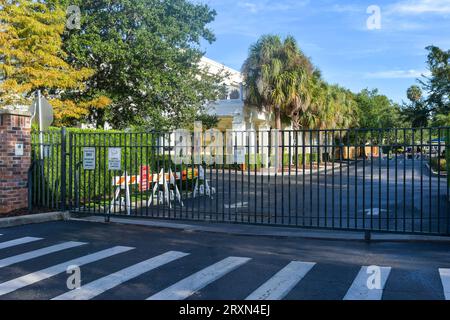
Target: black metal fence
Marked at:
389, 180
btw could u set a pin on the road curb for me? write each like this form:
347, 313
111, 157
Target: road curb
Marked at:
34, 218
269, 231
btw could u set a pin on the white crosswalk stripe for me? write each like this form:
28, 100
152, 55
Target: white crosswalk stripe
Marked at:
16, 242
277, 287
360, 288
39, 253
445, 279
26, 280
188, 286
101, 285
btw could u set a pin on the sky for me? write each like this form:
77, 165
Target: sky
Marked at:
337, 38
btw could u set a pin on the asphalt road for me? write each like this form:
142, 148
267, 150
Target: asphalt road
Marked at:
136, 262
398, 195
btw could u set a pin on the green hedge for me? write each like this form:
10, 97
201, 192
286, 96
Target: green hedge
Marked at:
257, 160
93, 185
439, 164
307, 157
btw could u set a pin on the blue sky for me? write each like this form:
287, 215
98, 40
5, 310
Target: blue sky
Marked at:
335, 35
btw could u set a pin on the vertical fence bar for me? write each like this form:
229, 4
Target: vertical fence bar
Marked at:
258, 166
396, 180
282, 176
63, 168
388, 179
277, 164
248, 178
439, 154
421, 178
289, 177
413, 156
303, 177
296, 178
348, 148
447, 161
371, 132
430, 191
324, 157
318, 150
405, 159
311, 178
240, 204
356, 178
380, 155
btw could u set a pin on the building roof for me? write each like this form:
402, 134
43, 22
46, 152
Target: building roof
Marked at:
234, 77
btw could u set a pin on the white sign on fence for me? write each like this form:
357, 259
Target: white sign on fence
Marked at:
114, 157
47, 151
18, 151
89, 158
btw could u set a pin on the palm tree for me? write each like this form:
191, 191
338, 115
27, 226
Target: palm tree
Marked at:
417, 112
414, 94
276, 74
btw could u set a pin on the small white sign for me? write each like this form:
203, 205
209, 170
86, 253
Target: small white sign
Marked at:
239, 155
19, 150
47, 151
46, 110
89, 158
114, 157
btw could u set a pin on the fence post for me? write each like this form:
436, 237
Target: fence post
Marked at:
63, 169
15, 159
447, 161
30, 187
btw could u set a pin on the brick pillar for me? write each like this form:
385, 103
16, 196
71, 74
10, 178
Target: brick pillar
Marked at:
15, 130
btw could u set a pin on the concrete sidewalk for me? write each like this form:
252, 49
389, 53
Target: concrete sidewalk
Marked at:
267, 231
33, 218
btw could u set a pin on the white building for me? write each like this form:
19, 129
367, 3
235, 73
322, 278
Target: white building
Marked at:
235, 115
231, 110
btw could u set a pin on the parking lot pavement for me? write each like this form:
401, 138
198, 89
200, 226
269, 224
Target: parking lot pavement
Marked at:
383, 195
136, 262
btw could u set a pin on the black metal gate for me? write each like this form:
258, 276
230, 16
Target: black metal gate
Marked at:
388, 180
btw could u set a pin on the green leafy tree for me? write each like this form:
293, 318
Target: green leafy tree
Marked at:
416, 113
208, 121
376, 110
146, 55
235, 94
438, 84
32, 58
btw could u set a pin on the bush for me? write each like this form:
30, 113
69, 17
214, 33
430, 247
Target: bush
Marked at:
439, 164
90, 184
308, 158
257, 160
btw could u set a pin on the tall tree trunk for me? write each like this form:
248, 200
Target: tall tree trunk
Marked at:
277, 118
279, 133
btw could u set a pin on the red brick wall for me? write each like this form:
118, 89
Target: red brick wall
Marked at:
14, 170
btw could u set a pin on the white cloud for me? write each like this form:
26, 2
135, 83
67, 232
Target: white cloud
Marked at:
270, 6
416, 7
252, 7
396, 74
340, 8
